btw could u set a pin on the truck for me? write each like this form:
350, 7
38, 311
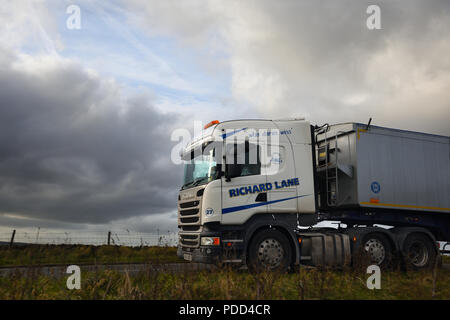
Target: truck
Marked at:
276, 194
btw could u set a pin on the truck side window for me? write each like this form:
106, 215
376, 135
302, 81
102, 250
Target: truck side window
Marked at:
245, 164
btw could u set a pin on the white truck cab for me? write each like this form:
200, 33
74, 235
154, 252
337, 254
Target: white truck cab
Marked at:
242, 170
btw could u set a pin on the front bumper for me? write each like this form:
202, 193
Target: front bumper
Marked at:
201, 255
230, 250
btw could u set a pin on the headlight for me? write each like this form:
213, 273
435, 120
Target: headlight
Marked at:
210, 241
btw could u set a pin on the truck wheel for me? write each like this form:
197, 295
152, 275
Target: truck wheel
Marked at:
270, 250
418, 252
378, 248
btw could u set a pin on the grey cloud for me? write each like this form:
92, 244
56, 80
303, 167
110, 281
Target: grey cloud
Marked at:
318, 59
73, 149
143, 223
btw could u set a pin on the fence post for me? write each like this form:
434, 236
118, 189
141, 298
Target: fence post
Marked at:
37, 235
109, 238
12, 238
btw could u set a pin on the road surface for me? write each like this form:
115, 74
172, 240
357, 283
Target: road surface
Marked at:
132, 269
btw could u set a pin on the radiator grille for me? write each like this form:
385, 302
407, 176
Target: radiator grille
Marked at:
189, 219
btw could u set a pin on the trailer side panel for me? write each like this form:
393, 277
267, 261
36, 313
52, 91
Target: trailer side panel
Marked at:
403, 170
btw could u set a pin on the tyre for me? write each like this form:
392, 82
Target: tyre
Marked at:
378, 249
418, 252
270, 250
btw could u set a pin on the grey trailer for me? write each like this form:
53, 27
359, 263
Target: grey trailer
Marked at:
397, 177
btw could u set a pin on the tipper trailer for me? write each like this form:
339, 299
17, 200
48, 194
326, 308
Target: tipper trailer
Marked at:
254, 190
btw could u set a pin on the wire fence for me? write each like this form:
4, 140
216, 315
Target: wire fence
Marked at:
122, 238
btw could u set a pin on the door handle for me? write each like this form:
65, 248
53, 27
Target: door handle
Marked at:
261, 197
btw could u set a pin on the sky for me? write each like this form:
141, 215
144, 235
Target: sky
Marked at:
86, 114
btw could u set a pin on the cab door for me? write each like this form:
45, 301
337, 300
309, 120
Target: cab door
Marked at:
244, 188
283, 195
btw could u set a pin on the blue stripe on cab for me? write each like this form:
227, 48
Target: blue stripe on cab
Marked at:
248, 206
226, 135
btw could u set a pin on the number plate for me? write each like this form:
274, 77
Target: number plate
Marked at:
188, 256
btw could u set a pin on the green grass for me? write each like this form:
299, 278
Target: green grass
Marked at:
82, 254
79, 254
228, 284
222, 284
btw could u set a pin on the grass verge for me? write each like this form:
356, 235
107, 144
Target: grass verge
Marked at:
228, 284
446, 259
79, 254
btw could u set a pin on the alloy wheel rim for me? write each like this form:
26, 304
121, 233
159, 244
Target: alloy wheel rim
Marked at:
376, 250
270, 253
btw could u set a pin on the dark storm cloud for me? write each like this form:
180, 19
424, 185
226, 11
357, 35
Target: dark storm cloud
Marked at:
318, 59
73, 149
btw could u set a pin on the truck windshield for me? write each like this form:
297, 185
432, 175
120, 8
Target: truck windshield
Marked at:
200, 170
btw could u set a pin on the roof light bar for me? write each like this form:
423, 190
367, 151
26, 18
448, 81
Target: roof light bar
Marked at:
211, 124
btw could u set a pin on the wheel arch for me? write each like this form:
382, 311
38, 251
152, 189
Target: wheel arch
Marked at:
403, 233
361, 233
273, 225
